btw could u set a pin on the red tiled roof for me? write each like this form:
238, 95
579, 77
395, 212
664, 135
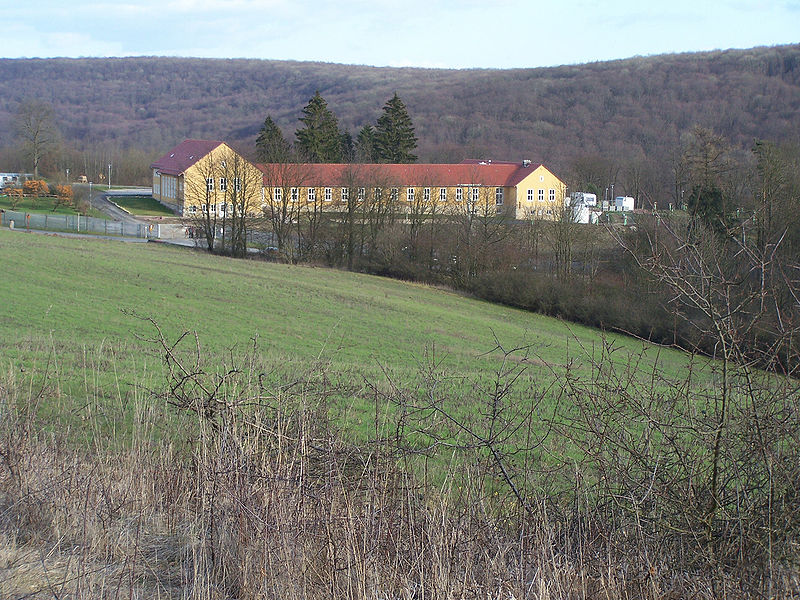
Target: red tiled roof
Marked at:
472, 172
183, 156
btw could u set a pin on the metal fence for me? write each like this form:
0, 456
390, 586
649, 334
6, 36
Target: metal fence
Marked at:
78, 224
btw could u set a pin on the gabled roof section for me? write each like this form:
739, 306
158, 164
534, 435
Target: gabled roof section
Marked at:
184, 155
472, 172
521, 169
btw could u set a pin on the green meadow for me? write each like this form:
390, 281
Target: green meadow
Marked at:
73, 322
45, 205
143, 206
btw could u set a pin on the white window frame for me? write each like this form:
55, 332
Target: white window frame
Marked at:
552, 195
476, 194
426, 194
410, 192
541, 194
210, 184
531, 195
277, 194
345, 194
443, 194
311, 194
459, 194
328, 194
362, 192
223, 184
378, 194
237, 183
192, 209
294, 194
498, 196
395, 195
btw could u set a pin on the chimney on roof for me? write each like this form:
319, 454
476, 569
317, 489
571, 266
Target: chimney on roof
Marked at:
526, 163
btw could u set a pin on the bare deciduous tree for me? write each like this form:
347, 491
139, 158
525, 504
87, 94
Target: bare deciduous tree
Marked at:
36, 129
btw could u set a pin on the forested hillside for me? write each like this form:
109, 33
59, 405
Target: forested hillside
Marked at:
629, 111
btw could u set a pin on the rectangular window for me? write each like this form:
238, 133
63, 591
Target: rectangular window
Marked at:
204, 208
426, 194
277, 194
459, 194
210, 184
361, 193
312, 194
328, 194
237, 184
294, 195
498, 196
541, 195
223, 184
395, 194
212, 208
410, 194
192, 209
378, 194
552, 195
443, 194
476, 194
345, 194
530, 195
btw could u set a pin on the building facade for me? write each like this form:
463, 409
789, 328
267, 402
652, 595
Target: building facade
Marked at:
202, 176
516, 190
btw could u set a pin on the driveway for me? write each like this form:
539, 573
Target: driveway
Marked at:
100, 201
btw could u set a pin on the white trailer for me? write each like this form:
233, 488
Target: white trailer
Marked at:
624, 203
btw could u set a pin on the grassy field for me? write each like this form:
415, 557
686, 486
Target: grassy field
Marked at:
463, 486
143, 206
68, 308
45, 205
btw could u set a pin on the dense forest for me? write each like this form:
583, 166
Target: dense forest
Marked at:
631, 112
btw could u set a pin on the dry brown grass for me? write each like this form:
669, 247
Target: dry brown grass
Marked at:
260, 497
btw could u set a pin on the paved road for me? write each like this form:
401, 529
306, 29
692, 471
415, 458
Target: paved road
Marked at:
100, 201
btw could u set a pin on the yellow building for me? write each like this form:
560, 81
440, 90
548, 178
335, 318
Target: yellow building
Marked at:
206, 177
202, 177
518, 190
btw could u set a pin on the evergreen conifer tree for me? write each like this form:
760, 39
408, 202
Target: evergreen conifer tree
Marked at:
395, 141
319, 141
365, 145
271, 146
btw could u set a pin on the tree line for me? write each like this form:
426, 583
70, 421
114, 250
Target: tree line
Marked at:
320, 140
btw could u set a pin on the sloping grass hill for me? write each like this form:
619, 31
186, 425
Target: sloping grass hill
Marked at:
71, 312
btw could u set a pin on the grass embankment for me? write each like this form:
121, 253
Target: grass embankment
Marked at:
142, 206
47, 205
70, 303
308, 475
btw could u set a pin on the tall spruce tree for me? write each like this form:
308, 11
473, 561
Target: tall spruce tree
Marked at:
395, 141
365, 145
319, 141
271, 146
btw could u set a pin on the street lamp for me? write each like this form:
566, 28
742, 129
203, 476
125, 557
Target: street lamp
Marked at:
67, 175
109, 176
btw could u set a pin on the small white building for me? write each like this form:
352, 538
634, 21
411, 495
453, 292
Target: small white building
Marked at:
624, 203
583, 207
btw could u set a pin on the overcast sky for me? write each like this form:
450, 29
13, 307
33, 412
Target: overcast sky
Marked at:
423, 33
